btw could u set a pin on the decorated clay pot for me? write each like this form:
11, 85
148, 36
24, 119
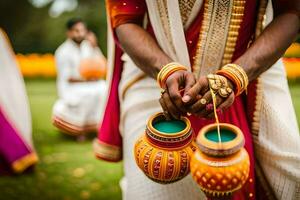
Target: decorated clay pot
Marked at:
163, 152
92, 68
220, 168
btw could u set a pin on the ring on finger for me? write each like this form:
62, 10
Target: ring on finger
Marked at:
203, 101
162, 91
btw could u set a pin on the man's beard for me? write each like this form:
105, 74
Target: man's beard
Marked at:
78, 41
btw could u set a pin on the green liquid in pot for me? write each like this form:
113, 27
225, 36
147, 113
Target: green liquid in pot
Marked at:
226, 135
169, 127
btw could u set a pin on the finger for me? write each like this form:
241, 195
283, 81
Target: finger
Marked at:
200, 87
200, 105
228, 102
165, 109
171, 108
174, 95
210, 113
189, 83
190, 96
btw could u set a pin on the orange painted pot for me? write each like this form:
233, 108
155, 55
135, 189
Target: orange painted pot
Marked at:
164, 151
220, 169
92, 68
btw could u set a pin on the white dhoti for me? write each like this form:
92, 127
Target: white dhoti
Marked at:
140, 102
81, 105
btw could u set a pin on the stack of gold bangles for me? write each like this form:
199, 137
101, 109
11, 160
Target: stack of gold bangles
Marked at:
237, 75
219, 85
166, 71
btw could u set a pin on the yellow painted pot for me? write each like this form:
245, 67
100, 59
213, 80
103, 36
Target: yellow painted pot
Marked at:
220, 169
163, 152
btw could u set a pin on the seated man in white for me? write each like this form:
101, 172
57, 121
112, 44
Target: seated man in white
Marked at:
81, 92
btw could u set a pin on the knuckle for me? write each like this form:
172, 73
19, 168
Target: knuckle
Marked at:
174, 96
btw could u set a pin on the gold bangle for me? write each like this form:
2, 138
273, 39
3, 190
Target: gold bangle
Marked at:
163, 69
238, 74
166, 71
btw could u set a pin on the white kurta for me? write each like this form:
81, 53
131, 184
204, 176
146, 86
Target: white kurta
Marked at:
81, 103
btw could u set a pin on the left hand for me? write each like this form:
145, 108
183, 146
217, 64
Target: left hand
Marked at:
199, 100
171, 99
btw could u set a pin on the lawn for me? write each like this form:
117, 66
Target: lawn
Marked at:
67, 169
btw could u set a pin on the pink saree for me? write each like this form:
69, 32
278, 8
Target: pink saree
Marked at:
16, 150
15, 155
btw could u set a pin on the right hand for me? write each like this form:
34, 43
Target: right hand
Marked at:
172, 100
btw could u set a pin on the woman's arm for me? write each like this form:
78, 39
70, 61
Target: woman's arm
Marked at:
274, 40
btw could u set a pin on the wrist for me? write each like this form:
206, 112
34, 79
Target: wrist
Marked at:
237, 77
166, 71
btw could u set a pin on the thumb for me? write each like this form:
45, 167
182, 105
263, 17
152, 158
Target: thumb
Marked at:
200, 86
191, 93
189, 83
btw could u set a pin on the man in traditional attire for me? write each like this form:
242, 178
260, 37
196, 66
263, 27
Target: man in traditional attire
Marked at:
17, 153
79, 107
207, 37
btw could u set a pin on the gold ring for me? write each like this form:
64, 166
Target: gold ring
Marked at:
162, 91
203, 101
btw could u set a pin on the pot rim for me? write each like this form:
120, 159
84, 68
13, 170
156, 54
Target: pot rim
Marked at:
224, 148
186, 130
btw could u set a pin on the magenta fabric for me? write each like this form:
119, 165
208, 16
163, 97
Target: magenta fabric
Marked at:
109, 130
12, 146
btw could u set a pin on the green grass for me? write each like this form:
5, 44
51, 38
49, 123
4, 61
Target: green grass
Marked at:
295, 91
67, 169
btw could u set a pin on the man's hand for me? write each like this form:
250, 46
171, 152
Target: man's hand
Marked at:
200, 102
172, 99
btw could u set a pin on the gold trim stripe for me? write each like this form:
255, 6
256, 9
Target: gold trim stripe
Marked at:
24, 162
234, 27
213, 35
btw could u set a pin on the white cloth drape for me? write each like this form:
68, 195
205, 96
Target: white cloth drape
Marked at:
13, 98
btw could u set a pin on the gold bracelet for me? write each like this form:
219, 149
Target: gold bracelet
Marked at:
166, 71
236, 74
241, 71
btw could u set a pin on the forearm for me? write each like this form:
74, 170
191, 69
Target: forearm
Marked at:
142, 48
270, 45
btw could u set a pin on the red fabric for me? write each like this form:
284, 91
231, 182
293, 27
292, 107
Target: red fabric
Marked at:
120, 12
109, 130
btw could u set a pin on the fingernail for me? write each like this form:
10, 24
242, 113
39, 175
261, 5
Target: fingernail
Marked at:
186, 98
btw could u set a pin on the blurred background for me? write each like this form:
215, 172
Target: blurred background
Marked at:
67, 169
